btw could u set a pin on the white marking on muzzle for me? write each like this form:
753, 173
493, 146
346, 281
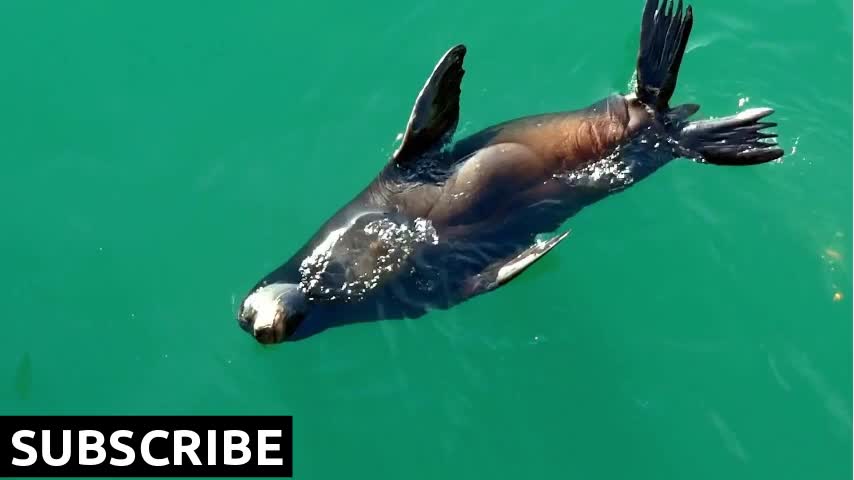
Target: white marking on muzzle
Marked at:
266, 302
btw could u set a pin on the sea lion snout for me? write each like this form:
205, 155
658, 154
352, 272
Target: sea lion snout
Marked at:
270, 313
267, 326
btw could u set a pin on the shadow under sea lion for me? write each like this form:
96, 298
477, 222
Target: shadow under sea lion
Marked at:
445, 221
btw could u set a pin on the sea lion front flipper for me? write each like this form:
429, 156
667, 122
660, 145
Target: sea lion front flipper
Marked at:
436, 111
503, 271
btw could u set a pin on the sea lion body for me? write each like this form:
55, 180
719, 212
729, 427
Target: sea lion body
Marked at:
447, 220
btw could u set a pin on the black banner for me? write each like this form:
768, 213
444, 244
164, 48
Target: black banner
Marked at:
147, 446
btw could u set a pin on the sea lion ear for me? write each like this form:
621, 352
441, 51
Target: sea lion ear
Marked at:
437, 109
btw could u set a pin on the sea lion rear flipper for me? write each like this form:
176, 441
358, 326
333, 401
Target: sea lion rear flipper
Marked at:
737, 140
664, 35
503, 271
436, 111
733, 140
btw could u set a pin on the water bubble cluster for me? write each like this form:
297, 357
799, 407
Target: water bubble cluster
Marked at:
609, 173
354, 260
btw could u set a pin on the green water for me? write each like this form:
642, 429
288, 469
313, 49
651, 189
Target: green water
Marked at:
160, 157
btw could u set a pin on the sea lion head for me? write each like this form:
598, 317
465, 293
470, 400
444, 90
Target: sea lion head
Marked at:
272, 312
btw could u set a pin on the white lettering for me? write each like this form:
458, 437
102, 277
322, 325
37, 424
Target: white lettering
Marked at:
92, 449
230, 447
117, 445
211, 447
189, 450
32, 453
66, 449
84, 447
264, 447
146, 448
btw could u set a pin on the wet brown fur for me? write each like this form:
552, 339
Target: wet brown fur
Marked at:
564, 142
516, 163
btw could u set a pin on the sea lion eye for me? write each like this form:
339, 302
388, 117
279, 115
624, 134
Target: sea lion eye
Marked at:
244, 318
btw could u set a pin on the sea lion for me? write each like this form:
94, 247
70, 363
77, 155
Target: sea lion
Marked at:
445, 221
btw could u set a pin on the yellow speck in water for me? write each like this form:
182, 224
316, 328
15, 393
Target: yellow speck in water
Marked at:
837, 296
833, 254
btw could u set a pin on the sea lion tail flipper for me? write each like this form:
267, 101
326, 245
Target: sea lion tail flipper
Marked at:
734, 140
664, 35
503, 271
